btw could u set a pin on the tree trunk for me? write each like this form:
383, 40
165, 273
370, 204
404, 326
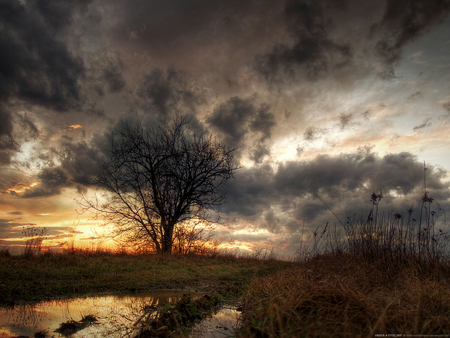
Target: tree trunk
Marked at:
168, 239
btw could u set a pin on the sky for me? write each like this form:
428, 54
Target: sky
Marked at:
330, 100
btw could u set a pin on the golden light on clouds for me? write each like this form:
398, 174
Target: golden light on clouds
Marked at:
20, 187
75, 126
241, 245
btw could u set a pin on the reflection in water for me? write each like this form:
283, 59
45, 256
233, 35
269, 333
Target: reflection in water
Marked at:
222, 324
116, 314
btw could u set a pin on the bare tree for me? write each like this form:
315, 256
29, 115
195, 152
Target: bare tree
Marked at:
159, 178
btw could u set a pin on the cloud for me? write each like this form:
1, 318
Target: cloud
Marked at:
446, 106
11, 228
345, 182
263, 122
426, 123
52, 180
18, 213
82, 162
310, 133
112, 75
321, 46
38, 68
404, 21
258, 154
59, 15
250, 191
237, 117
167, 92
26, 123
7, 143
314, 52
345, 120
35, 65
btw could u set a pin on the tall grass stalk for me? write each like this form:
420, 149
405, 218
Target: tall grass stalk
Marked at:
391, 236
378, 273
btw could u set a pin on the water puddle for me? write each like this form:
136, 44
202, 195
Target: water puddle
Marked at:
222, 324
116, 314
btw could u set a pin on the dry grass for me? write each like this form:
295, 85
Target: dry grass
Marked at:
345, 296
382, 274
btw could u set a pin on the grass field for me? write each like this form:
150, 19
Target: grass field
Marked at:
45, 276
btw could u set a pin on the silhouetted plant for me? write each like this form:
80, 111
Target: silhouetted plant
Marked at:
34, 236
395, 237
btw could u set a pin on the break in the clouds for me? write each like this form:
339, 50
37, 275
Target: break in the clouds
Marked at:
325, 101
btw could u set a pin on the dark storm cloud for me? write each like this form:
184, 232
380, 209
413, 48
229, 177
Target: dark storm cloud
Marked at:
250, 191
400, 173
157, 22
323, 42
161, 24
27, 124
258, 154
52, 180
35, 65
345, 182
6, 127
314, 53
263, 122
112, 76
7, 143
231, 118
309, 211
83, 162
168, 92
59, 14
237, 117
404, 21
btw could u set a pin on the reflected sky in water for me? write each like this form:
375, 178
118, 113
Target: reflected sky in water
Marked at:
115, 313
222, 324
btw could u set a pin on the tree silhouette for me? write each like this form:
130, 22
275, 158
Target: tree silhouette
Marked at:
159, 178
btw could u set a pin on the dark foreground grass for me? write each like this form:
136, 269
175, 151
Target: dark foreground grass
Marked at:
348, 296
35, 278
387, 274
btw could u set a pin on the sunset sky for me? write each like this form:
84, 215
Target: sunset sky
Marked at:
330, 98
